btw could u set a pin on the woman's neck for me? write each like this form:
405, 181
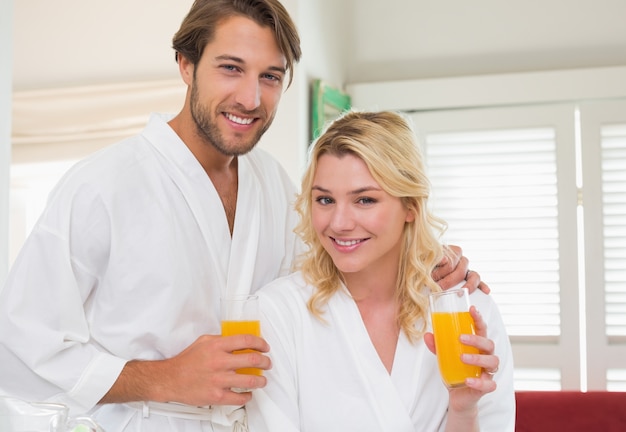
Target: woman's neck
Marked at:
375, 297
374, 286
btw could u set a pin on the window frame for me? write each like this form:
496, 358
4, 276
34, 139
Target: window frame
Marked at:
580, 86
535, 351
594, 114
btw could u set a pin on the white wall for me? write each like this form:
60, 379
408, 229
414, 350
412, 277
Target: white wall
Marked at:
419, 39
324, 25
319, 23
492, 90
69, 43
286, 139
6, 52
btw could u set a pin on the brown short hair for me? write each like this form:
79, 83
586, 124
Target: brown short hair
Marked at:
198, 27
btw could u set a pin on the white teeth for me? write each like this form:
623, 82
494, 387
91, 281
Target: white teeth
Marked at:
347, 243
243, 121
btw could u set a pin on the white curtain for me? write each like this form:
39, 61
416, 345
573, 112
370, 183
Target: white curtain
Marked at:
72, 122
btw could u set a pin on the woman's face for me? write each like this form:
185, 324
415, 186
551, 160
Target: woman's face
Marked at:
358, 223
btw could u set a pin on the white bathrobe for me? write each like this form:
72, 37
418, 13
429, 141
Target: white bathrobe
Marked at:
128, 261
327, 376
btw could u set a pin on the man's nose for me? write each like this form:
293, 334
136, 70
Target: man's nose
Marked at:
249, 94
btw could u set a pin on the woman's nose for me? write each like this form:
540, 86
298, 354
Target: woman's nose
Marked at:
342, 219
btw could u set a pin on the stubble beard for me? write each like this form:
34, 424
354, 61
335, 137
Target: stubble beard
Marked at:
208, 129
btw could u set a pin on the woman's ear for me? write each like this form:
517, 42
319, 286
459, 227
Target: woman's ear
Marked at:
411, 214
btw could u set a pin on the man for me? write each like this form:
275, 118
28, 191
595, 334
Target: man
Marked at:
114, 299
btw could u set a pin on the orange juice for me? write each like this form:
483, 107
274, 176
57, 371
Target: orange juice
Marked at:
231, 328
447, 327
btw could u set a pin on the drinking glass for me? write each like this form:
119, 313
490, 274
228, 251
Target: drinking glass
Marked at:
450, 316
240, 315
17, 415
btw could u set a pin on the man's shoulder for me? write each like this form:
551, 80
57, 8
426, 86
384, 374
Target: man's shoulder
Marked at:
264, 163
112, 161
116, 169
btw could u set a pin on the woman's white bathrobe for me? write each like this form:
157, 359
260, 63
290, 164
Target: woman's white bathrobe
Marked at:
327, 376
128, 261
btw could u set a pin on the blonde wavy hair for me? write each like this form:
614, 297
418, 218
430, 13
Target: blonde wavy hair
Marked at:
387, 144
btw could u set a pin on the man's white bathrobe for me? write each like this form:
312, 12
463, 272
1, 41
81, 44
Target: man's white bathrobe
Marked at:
327, 376
128, 261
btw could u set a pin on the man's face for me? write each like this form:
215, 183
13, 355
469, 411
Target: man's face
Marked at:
237, 85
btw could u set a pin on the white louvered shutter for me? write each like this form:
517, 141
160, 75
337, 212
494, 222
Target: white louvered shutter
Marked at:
504, 180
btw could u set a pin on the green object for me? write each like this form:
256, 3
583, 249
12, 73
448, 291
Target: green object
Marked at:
328, 103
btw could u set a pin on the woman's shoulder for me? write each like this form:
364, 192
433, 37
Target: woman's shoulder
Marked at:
284, 301
489, 309
480, 299
288, 288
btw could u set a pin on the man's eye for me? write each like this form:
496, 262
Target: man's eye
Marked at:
275, 79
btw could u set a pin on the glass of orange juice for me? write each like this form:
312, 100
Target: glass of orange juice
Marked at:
240, 315
450, 316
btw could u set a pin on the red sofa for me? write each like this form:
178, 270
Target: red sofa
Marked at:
570, 411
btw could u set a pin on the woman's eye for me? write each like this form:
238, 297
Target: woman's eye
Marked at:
324, 200
365, 200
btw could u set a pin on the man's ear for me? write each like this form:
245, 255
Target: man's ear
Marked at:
186, 68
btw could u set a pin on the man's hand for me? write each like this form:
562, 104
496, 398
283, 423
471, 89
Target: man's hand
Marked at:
202, 374
454, 269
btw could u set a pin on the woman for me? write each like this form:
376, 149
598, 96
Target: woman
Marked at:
350, 347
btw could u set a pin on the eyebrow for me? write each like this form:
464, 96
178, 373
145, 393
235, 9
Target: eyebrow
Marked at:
239, 60
354, 192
